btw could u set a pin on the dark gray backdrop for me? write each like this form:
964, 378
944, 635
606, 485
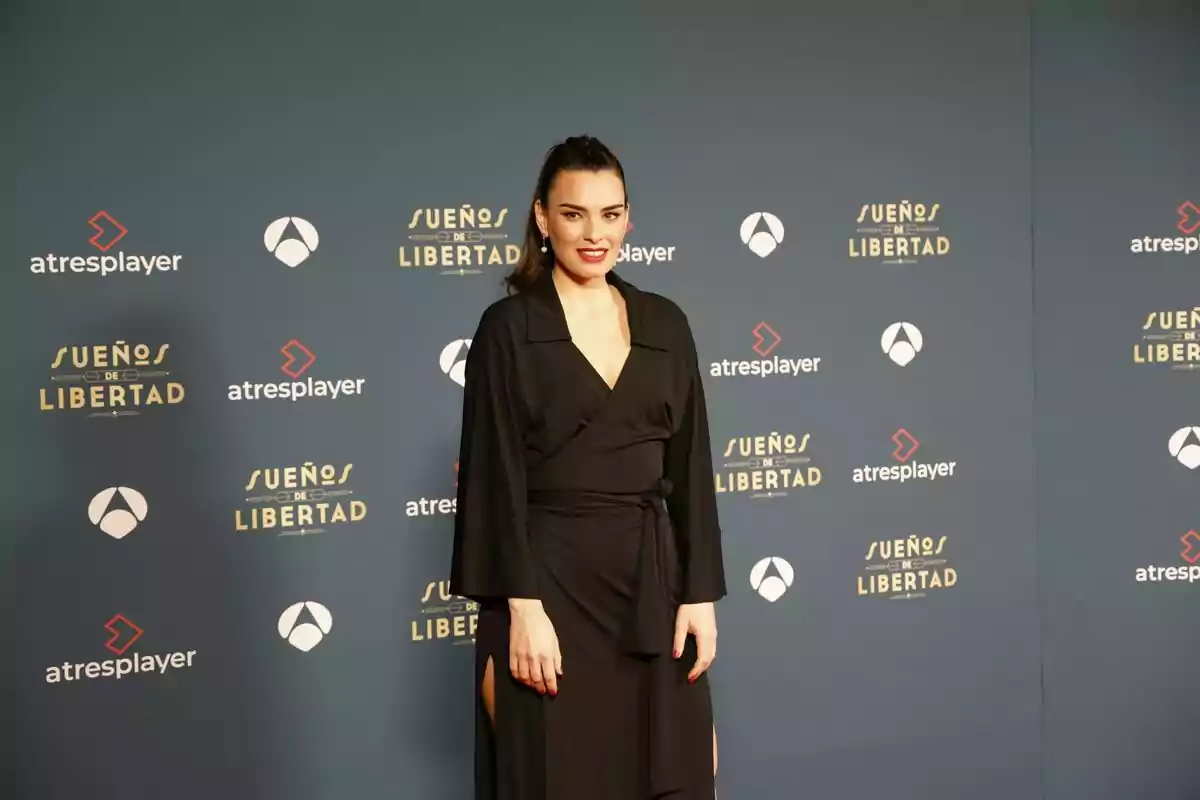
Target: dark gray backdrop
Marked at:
1115, 135
197, 127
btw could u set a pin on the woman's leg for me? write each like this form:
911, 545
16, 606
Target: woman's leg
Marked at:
715, 797
488, 691
714, 750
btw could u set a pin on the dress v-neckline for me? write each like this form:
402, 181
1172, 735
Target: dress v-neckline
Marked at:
592, 367
562, 310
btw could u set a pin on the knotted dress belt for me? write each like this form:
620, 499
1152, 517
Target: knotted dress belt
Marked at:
650, 628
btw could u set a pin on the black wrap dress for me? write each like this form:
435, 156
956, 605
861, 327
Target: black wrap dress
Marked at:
599, 502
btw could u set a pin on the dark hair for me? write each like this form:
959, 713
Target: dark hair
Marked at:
575, 153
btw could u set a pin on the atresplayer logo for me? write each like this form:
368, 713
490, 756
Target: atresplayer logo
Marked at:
763, 340
1187, 222
767, 466
458, 241
434, 506
906, 569
905, 446
1187, 572
297, 359
898, 233
108, 232
123, 635
445, 616
1170, 339
299, 501
110, 380
654, 254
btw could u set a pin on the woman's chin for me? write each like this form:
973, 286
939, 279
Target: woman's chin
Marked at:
586, 270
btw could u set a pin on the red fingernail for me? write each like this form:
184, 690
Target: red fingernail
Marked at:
554, 692
677, 654
693, 679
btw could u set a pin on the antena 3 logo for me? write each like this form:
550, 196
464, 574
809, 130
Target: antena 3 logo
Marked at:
898, 233
107, 233
304, 625
771, 577
762, 232
762, 342
1184, 446
458, 241
453, 360
107, 513
901, 341
110, 380
1187, 222
291, 239
295, 361
905, 467
122, 635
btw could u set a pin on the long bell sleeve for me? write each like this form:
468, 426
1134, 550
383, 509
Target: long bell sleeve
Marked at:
692, 503
491, 553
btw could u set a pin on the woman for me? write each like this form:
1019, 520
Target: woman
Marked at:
586, 524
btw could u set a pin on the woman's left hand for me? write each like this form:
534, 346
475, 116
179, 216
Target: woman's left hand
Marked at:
700, 620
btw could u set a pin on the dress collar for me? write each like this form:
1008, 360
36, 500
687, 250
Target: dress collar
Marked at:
547, 322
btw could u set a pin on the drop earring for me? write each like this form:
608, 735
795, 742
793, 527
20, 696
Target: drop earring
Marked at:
543, 244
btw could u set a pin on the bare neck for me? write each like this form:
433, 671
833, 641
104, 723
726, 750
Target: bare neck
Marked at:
587, 295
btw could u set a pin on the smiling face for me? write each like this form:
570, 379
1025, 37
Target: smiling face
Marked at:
585, 220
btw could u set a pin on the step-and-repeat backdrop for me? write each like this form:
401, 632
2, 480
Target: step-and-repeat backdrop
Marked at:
942, 268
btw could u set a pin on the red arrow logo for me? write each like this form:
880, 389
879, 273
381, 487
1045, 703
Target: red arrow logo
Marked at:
121, 629
111, 231
765, 339
1189, 218
305, 362
1191, 547
906, 445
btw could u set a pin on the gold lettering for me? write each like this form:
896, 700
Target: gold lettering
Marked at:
300, 513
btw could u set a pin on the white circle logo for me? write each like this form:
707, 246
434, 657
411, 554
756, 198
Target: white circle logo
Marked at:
305, 635
118, 522
290, 250
902, 341
1184, 445
762, 243
453, 360
771, 577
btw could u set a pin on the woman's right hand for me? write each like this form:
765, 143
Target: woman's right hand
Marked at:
533, 655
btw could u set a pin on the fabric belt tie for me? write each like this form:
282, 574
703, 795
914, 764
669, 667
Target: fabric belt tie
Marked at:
650, 629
